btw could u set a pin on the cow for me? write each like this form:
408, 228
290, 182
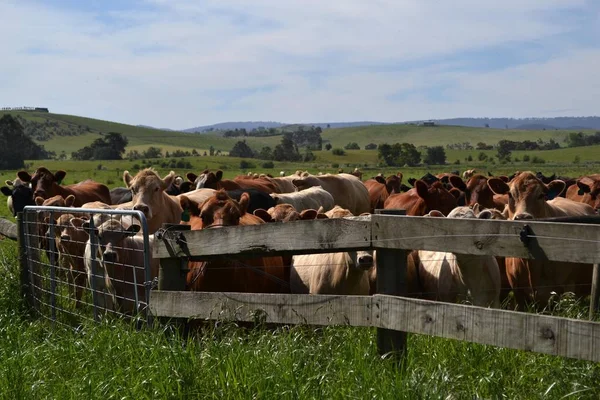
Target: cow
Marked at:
120, 275
468, 174
533, 280
46, 184
70, 240
149, 197
547, 179
381, 188
587, 190
422, 199
258, 199
343, 273
252, 275
19, 195
477, 191
311, 198
347, 190
212, 180
450, 277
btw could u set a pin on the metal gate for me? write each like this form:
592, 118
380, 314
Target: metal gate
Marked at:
87, 263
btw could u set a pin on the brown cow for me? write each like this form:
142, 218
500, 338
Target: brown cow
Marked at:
287, 213
46, 184
380, 189
149, 197
252, 275
587, 190
422, 199
477, 191
530, 198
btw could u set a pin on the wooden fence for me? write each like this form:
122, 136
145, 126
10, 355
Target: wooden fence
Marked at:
392, 236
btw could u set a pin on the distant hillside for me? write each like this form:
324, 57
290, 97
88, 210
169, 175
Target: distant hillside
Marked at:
269, 124
572, 123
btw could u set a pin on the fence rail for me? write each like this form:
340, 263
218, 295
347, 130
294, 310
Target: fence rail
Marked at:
392, 237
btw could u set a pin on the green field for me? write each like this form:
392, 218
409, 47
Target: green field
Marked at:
113, 360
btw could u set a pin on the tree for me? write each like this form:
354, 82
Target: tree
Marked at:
287, 150
241, 149
266, 153
211, 150
153, 152
328, 146
352, 146
111, 147
399, 154
338, 152
371, 146
504, 150
15, 146
435, 156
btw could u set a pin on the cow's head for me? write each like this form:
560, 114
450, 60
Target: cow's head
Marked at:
436, 197
19, 195
43, 182
527, 194
355, 259
222, 210
305, 182
110, 236
206, 179
590, 186
147, 190
287, 213
393, 182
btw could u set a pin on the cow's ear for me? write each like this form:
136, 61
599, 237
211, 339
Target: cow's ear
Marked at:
9, 183
422, 189
412, 181
458, 183
504, 178
70, 200
39, 201
476, 208
308, 214
219, 175
554, 189
191, 176
127, 178
380, 179
435, 213
132, 230
485, 214
77, 223
583, 188
189, 205
59, 176
168, 180
6, 191
498, 186
185, 187
244, 202
24, 176
263, 214
455, 192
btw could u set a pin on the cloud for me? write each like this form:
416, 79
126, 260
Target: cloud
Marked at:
182, 63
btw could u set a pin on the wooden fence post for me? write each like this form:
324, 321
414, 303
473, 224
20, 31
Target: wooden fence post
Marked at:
391, 280
595, 291
26, 293
172, 272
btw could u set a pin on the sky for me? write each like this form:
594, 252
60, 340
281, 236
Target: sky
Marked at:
185, 63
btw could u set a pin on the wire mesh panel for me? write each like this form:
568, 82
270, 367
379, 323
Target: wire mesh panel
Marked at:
88, 263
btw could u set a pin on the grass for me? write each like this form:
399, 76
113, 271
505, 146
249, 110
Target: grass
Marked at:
114, 360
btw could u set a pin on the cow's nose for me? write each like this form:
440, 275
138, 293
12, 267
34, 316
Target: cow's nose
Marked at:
365, 261
142, 207
523, 216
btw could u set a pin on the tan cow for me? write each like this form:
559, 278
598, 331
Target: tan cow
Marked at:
287, 213
120, 273
332, 273
347, 190
530, 198
587, 190
451, 277
150, 198
311, 198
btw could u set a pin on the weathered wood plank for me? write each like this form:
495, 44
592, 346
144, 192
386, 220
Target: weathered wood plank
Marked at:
522, 331
509, 329
551, 241
300, 237
8, 229
277, 308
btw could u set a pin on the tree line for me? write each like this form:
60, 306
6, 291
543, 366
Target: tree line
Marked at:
16, 146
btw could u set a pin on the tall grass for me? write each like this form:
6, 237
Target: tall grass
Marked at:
113, 360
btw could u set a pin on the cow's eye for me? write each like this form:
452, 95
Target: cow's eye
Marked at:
156, 189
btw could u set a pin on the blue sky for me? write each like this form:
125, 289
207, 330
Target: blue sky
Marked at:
184, 63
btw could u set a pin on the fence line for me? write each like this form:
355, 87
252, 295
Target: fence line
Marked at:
392, 237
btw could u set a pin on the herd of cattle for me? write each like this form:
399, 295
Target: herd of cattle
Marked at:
209, 201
